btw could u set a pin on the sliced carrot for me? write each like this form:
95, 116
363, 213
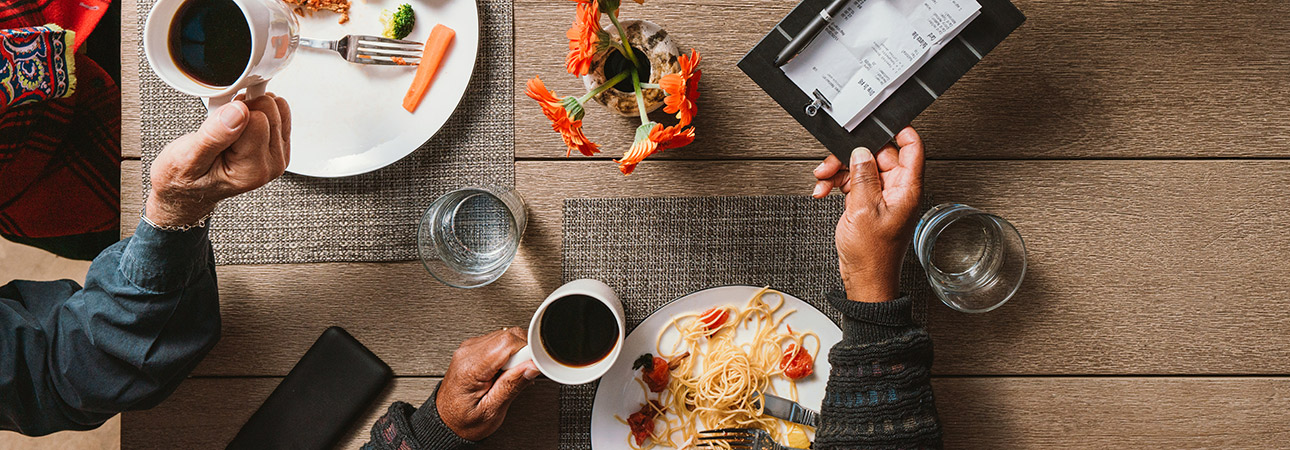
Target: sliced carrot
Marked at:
435, 49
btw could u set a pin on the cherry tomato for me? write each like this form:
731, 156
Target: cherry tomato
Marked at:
642, 422
653, 371
656, 376
714, 318
796, 364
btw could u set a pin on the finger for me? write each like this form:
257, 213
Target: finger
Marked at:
215, 135
907, 136
508, 387
866, 187
285, 110
828, 168
911, 156
252, 143
269, 106
496, 349
888, 158
841, 180
822, 188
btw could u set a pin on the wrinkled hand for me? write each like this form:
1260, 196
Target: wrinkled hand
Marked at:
243, 145
882, 199
473, 398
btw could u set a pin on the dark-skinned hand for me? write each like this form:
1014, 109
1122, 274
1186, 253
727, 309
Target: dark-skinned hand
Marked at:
882, 192
473, 397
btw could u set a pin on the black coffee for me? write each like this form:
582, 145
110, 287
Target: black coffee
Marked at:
578, 330
210, 41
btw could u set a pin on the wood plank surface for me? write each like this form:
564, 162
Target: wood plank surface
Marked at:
1136, 267
130, 106
1023, 413
1078, 80
206, 413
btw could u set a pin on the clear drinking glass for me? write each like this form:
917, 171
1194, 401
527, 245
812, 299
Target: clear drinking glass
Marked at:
469, 237
974, 261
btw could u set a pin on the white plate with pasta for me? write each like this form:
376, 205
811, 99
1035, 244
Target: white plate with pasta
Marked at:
719, 347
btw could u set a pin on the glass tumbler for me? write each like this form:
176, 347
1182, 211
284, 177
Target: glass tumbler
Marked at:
974, 261
469, 237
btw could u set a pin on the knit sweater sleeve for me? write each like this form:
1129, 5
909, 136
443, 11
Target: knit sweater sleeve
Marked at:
879, 393
404, 427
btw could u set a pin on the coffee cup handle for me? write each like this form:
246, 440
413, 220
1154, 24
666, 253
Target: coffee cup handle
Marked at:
252, 91
520, 357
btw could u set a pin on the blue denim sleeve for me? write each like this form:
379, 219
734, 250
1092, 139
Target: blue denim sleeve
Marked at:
72, 357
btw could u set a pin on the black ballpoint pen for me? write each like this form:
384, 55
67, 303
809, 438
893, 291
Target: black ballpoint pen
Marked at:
817, 24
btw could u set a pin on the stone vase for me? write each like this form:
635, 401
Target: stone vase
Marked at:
659, 49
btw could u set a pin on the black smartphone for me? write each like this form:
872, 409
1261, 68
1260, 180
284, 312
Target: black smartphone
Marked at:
336, 380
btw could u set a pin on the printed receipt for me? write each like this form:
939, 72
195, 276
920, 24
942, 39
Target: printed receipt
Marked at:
871, 48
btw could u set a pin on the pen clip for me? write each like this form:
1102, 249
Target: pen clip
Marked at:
814, 108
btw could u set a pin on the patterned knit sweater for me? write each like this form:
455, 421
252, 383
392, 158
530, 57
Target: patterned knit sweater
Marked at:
879, 394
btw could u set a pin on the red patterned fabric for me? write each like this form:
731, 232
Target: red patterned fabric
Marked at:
60, 160
77, 15
35, 65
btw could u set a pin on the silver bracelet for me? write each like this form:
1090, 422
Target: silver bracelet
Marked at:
181, 228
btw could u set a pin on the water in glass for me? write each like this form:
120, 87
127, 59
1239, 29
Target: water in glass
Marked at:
469, 237
974, 261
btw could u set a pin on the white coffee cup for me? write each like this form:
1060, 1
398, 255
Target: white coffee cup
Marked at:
553, 369
274, 37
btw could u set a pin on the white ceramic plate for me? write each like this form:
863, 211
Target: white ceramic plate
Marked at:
619, 393
348, 118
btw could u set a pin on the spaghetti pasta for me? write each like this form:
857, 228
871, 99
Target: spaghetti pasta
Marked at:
715, 379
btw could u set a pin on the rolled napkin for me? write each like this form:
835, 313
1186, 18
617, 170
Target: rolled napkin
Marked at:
36, 64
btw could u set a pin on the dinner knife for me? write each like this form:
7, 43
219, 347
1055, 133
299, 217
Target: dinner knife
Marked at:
782, 408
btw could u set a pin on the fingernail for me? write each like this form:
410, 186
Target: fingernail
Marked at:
232, 116
819, 190
860, 155
531, 373
819, 168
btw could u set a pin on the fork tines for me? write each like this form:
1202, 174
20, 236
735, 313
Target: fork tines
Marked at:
734, 438
384, 50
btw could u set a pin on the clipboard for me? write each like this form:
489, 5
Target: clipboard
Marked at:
997, 20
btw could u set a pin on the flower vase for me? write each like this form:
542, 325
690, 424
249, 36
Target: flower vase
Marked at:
645, 37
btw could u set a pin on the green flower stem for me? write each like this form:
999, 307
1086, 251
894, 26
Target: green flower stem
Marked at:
650, 86
603, 87
622, 37
640, 97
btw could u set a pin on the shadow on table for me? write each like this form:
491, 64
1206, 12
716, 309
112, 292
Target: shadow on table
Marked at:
975, 410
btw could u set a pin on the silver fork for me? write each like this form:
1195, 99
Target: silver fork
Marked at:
370, 49
741, 439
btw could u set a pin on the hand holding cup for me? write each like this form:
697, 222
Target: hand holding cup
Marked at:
241, 146
473, 398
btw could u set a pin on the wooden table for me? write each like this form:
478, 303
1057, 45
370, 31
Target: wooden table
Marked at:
1141, 147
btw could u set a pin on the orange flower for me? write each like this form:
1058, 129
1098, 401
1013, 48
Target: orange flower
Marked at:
660, 138
583, 37
556, 109
682, 89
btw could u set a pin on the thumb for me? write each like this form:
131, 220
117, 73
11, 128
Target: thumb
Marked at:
508, 387
219, 131
866, 186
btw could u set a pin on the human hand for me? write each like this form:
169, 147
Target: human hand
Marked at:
473, 398
243, 145
882, 199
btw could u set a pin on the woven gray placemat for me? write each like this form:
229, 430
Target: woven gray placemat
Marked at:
369, 217
653, 251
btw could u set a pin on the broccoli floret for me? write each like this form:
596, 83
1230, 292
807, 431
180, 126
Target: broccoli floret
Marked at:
398, 24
